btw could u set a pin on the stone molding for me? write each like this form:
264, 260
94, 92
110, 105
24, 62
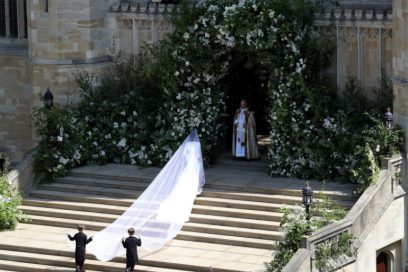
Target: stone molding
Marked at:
94, 60
402, 81
143, 7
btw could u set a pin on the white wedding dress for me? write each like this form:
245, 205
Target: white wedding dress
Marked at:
161, 210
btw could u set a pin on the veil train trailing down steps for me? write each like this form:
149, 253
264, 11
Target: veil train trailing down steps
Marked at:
161, 210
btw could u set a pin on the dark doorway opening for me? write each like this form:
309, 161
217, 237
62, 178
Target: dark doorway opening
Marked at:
247, 81
382, 262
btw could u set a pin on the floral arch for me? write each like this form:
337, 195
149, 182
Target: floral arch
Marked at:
142, 114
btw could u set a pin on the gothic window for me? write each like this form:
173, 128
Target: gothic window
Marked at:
13, 18
2, 19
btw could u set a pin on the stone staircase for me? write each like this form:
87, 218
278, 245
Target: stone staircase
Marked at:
224, 218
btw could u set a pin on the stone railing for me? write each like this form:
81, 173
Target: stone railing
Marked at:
21, 177
364, 214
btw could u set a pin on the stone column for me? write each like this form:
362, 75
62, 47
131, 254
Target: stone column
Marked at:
400, 88
400, 62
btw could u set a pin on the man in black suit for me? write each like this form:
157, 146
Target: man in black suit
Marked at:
131, 243
81, 241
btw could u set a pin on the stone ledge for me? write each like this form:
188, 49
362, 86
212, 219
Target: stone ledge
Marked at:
71, 61
402, 81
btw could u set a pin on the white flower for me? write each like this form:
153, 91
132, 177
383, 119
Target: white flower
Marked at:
187, 63
77, 155
102, 153
60, 138
63, 160
176, 73
207, 35
115, 125
186, 36
122, 143
123, 113
377, 148
178, 97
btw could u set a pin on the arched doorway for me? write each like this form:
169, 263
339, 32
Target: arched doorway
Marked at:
383, 262
247, 81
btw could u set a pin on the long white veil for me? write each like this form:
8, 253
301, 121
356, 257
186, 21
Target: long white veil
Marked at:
161, 210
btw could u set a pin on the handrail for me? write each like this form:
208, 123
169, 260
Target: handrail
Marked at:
364, 213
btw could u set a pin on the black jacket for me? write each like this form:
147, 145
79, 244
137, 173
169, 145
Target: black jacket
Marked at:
131, 243
81, 241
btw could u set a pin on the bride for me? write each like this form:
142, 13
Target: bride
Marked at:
161, 210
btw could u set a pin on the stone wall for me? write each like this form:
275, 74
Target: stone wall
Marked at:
383, 236
134, 25
363, 41
15, 106
70, 36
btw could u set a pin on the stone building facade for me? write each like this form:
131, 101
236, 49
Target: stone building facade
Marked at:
46, 42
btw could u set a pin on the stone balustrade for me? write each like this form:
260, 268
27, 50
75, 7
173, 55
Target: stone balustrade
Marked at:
358, 222
21, 176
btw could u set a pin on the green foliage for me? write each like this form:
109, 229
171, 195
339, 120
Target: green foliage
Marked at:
329, 252
294, 225
10, 200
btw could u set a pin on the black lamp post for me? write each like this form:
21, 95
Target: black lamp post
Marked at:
388, 125
307, 193
48, 99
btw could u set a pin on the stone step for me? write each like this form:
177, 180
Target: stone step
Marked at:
234, 222
255, 197
75, 205
104, 183
148, 262
226, 240
109, 218
79, 172
149, 176
183, 235
81, 198
83, 189
233, 231
26, 259
18, 266
118, 210
239, 204
237, 213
